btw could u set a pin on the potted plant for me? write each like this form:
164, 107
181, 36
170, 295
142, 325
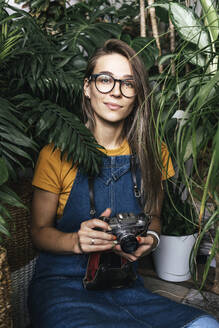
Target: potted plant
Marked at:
179, 232
188, 112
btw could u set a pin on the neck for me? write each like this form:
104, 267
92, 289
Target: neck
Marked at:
109, 136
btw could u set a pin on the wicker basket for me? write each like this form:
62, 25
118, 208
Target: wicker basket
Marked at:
19, 246
20, 253
5, 291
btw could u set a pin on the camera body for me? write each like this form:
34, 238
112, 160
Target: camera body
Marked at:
126, 226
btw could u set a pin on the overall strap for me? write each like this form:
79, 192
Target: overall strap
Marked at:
137, 192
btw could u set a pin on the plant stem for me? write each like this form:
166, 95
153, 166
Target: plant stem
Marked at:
155, 29
205, 190
172, 46
211, 22
142, 19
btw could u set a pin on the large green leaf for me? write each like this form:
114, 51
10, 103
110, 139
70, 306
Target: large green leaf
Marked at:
188, 25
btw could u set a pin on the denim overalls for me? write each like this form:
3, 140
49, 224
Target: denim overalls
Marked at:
57, 297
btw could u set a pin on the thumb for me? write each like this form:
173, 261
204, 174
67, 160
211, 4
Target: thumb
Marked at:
106, 213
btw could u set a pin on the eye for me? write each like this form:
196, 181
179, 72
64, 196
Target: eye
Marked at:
105, 79
129, 84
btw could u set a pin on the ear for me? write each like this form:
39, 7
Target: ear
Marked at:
87, 88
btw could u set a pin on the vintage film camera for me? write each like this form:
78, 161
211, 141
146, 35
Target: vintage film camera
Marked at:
126, 226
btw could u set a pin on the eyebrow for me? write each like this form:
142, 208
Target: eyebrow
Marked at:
127, 76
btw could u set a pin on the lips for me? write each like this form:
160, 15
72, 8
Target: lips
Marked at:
113, 106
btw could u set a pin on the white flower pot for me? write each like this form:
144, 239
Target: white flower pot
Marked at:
171, 258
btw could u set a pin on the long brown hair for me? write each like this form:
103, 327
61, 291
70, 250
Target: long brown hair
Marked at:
139, 127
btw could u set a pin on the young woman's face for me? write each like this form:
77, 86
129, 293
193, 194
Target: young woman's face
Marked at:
112, 106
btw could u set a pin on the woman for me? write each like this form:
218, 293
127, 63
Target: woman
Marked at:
69, 234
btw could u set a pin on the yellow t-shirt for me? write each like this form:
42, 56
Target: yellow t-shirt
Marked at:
57, 176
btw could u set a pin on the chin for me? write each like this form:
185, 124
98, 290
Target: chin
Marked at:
115, 120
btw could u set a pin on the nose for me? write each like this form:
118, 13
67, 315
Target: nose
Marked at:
116, 92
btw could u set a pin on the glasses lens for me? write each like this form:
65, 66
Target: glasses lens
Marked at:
104, 83
128, 88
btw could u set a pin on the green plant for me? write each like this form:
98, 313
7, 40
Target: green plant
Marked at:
178, 216
14, 144
49, 76
188, 98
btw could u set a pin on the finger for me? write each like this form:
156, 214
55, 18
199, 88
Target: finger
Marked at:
142, 251
101, 248
130, 257
96, 248
101, 235
106, 213
145, 240
94, 223
95, 241
91, 233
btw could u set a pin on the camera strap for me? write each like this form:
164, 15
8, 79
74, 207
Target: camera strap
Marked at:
133, 169
91, 196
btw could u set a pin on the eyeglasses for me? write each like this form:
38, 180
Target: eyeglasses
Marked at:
105, 83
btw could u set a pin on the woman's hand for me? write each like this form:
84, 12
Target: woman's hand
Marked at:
146, 245
91, 240
47, 237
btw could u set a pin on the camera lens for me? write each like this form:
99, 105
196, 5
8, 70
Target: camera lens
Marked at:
129, 244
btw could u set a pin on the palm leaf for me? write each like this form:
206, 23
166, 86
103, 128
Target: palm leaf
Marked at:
8, 40
65, 131
87, 36
7, 197
14, 143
